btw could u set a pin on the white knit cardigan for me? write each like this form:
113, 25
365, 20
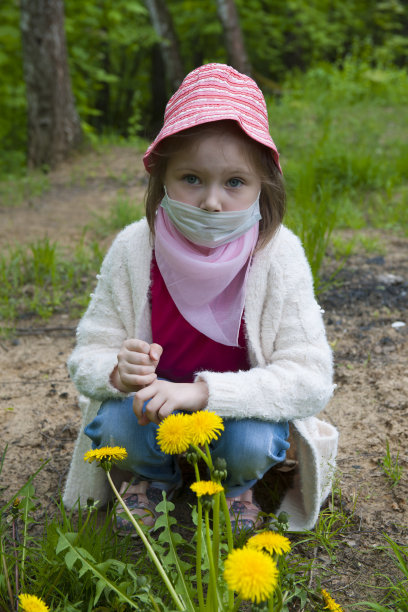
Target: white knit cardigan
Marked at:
291, 364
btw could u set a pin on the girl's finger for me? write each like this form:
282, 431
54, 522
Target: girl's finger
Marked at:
155, 352
136, 358
165, 411
141, 397
137, 346
137, 370
153, 407
134, 380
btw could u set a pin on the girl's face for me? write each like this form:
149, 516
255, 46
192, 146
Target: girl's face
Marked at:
214, 173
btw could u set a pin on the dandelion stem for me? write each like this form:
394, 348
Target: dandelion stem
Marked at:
212, 587
196, 471
209, 458
230, 539
225, 510
15, 539
198, 555
202, 455
148, 546
5, 570
216, 532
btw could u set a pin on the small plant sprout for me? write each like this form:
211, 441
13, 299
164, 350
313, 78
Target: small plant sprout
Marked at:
391, 467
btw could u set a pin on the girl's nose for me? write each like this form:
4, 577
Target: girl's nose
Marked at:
211, 200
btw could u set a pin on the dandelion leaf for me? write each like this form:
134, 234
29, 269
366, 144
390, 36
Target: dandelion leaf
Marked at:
88, 564
165, 505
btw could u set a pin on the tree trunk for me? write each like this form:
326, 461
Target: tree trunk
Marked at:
228, 14
53, 123
163, 25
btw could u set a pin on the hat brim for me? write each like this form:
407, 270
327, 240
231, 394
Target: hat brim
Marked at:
251, 129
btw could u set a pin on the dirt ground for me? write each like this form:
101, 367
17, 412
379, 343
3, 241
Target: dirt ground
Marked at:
38, 402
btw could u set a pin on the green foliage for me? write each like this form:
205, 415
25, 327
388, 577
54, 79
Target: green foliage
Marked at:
282, 36
15, 189
38, 281
343, 139
391, 467
12, 90
75, 562
110, 46
121, 213
396, 592
333, 522
199, 32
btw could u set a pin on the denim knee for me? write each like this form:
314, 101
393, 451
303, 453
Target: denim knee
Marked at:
250, 447
117, 425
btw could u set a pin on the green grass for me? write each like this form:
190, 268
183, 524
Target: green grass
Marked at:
394, 596
343, 137
121, 213
74, 561
391, 467
18, 188
40, 280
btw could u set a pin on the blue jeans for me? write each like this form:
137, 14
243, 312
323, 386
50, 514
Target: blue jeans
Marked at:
249, 446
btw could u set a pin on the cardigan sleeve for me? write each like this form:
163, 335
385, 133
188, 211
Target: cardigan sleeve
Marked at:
291, 377
107, 322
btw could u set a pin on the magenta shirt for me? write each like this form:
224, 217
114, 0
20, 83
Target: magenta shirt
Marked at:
187, 351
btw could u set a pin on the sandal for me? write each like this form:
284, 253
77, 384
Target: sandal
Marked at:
141, 499
244, 512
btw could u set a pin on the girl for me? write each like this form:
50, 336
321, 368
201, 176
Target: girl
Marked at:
207, 304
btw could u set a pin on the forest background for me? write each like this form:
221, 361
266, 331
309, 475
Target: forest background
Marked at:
117, 60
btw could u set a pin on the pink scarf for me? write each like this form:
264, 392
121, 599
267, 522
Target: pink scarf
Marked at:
207, 285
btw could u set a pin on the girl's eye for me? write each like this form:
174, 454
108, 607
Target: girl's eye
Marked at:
191, 179
234, 182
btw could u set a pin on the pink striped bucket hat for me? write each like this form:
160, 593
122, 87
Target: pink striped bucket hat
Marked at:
214, 92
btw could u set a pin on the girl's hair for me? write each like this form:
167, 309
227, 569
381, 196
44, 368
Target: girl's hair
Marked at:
272, 199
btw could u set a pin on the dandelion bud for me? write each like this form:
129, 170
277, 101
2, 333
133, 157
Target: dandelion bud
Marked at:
220, 463
206, 501
283, 519
15, 508
220, 469
191, 455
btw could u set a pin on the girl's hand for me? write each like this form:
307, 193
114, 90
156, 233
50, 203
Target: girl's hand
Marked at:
137, 362
165, 397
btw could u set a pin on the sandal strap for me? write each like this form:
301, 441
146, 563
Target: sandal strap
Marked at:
244, 511
141, 500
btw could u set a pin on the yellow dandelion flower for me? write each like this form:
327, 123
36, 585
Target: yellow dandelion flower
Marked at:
270, 541
111, 453
331, 605
251, 573
206, 487
31, 603
205, 426
173, 434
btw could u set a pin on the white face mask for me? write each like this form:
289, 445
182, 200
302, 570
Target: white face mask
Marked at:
210, 229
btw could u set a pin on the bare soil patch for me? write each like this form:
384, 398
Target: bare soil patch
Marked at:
38, 402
